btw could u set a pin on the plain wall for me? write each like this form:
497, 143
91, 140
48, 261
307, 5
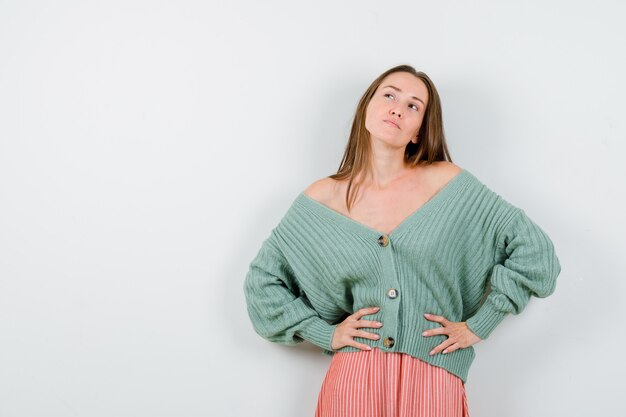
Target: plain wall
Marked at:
148, 148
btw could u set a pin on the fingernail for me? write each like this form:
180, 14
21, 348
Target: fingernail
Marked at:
426, 314
424, 334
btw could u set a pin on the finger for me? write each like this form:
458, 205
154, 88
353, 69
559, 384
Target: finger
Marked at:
441, 347
368, 335
365, 311
358, 345
433, 332
451, 348
368, 323
433, 317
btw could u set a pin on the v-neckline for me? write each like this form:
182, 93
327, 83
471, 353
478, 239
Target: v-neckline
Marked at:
432, 203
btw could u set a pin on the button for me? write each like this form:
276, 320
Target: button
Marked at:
389, 342
392, 293
383, 240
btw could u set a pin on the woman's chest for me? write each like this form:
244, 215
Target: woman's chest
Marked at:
383, 211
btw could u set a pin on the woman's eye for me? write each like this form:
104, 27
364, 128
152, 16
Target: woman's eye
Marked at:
414, 106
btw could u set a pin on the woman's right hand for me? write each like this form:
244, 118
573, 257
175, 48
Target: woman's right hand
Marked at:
348, 329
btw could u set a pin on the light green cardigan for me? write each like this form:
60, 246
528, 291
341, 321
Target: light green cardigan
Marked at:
466, 254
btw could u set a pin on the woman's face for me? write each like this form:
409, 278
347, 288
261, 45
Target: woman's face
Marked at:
395, 112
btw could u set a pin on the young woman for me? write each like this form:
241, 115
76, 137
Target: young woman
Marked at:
403, 243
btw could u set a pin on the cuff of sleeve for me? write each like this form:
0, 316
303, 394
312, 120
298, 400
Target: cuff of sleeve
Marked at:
319, 332
485, 320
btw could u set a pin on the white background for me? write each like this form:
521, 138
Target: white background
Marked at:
148, 147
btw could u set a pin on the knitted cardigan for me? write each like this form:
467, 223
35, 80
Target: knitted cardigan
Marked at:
466, 254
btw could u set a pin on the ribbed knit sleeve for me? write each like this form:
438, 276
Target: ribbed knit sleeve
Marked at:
279, 311
527, 266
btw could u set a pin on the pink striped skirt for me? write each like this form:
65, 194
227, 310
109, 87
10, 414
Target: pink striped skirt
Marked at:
375, 383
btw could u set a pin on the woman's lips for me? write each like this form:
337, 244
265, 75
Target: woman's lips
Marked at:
391, 123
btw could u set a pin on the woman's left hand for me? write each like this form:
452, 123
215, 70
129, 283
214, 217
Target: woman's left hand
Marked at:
459, 335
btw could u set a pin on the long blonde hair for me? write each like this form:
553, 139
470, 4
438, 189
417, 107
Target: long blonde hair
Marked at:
431, 145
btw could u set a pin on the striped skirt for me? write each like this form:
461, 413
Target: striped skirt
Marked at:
375, 383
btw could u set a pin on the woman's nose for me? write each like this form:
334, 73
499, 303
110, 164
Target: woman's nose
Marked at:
396, 113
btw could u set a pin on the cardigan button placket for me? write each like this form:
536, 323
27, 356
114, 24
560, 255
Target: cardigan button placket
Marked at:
390, 310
